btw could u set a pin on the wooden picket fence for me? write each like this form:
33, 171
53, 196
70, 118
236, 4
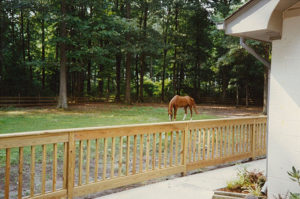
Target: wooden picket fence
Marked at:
76, 162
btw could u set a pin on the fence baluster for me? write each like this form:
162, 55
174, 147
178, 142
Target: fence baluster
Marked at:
20, 184
54, 172
176, 148
147, 151
96, 160
80, 162
104, 159
160, 150
127, 155
32, 172
141, 152
7, 173
65, 165
112, 168
154, 151
134, 154
120, 157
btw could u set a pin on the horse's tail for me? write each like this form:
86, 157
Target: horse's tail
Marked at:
194, 105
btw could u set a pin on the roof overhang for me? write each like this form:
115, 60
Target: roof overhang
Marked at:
260, 19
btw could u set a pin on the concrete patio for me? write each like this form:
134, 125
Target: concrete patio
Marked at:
199, 186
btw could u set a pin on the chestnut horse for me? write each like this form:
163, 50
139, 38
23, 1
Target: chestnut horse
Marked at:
181, 101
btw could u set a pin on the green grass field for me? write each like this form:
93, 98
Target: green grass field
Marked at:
32, 119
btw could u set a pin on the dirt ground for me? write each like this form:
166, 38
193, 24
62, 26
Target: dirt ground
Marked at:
210, 109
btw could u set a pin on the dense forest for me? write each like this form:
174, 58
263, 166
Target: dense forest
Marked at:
132, 50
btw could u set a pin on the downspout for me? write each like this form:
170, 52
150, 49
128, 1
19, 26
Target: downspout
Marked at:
268, 66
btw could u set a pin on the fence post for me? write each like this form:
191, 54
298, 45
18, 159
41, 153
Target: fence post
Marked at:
185, 148
253, 140
70, 165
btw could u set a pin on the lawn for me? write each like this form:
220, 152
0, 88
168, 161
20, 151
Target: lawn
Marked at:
31, 119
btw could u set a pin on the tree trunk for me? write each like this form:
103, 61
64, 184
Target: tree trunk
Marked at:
43, 52
165, 56
163, 77
118, 75
22, 33
175, 53
143, 54
137, 86
181, 76
128, 59
1, 38
28, 50
62, 101
89, 74
100, 82
266, 83
247, 94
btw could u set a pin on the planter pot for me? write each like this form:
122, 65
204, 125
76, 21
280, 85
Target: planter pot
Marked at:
232, 195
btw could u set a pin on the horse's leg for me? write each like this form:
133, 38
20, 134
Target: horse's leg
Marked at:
175, 112
191, 109
185, 112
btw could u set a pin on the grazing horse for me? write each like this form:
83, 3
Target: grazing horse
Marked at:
181, 101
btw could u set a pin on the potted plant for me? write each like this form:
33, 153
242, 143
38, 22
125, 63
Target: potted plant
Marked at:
247, 183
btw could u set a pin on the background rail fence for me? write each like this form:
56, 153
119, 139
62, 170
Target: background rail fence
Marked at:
50, 101
77, 162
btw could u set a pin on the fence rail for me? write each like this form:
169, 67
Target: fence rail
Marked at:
77, 162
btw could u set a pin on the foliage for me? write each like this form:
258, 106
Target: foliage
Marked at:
248, 181
174, 41
295, 176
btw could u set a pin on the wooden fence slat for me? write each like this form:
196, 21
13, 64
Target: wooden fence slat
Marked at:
141, 152
120, 156
190, 136
7, 174
154, 152
54, 172
32, 171
160, 150
104, 159
203, 144
88, 158
194, 145
199, 143
80, 162
44, 154
71, 165
221, 141
20, 184
134, 154
208, 143
176, 148
96, 160
213, 143
147, 151
112, 168
65, 164
128, 155
166, 150
171, 148
232, 139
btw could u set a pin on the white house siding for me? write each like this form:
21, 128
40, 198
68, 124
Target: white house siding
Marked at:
284, 109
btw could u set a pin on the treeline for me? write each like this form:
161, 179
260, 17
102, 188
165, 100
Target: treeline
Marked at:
132, 50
